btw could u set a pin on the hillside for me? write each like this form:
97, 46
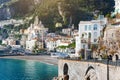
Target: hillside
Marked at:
70, 12
66, 12
21, 8
3, 1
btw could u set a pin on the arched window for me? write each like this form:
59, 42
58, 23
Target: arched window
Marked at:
95, 40
116, 57
95, 27
65, 69
88, 78
110, 57
91, 74
82, 35
89, 35
65, 72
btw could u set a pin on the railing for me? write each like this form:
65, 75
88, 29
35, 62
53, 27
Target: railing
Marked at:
104, 61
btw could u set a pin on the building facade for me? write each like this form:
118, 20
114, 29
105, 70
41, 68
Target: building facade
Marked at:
51, 44
112, 41
117, 6
36, 34
88, 34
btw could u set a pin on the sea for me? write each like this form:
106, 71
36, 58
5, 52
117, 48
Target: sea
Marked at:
13, 69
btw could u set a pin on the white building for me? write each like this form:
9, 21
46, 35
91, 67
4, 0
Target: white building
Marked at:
117, 6
65, 40
89, 32
74, 33
51, 43
30, 44
66, 31
36, 33
11, 41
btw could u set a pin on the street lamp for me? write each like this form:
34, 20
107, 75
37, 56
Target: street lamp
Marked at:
108, 58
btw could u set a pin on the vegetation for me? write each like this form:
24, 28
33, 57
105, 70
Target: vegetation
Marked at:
3, 33
22, 8
18, 36
36, 49
0, 42
9, 27
65, 12
62, 47
71, 9
81, 57
81, 53
94, 47
112, 52
104, 56
72, 45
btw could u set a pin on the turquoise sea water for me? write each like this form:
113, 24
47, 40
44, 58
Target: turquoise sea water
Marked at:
12, 69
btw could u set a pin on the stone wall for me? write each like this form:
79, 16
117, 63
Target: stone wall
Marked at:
79, 70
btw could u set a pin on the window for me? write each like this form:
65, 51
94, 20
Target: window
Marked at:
95, 27
89, 35
89, 46
89, 27
112, 34
82, 35
83, 46
95, 34
95, 40
85, 27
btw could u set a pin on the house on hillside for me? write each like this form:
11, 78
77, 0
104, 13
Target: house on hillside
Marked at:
111, 40
36, 34
89, 32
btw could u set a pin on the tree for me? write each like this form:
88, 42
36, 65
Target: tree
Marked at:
72, 45
66, 12
21, 8
62, 47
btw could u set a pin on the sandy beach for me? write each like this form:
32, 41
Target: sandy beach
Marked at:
45, 59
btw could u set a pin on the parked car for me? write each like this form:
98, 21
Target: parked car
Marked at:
59, 55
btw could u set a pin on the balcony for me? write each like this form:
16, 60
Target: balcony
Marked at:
86, 40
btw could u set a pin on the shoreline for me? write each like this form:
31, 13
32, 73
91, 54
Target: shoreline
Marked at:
44, 59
